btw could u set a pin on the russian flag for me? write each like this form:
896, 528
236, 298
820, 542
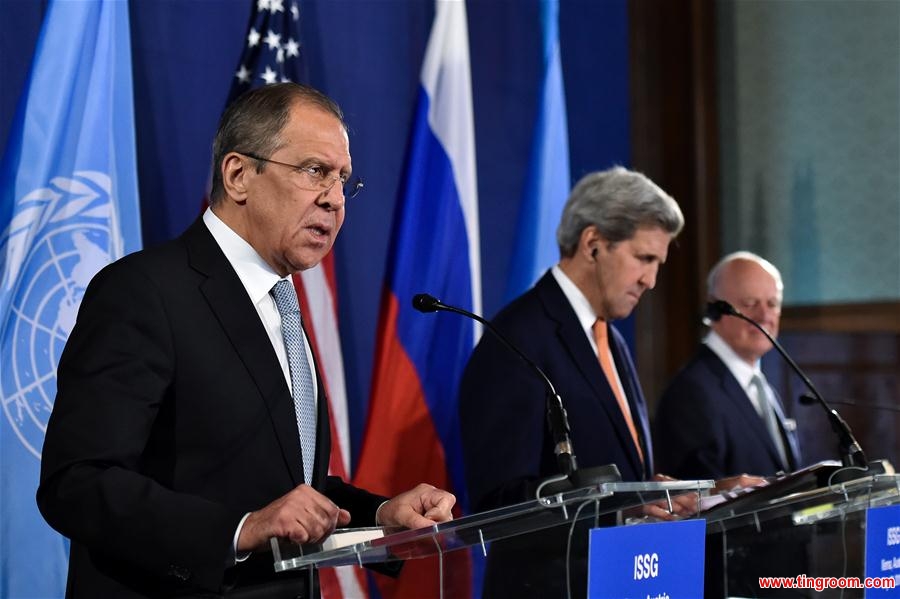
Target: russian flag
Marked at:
412, 432
548, 179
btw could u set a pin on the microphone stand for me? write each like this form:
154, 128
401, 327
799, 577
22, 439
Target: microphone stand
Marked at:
851, 453
557, 419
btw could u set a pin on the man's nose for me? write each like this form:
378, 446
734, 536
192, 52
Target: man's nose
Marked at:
648, 279
332, 197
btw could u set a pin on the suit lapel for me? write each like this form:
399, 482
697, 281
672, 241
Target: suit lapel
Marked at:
228, 300
575, 343
741, 404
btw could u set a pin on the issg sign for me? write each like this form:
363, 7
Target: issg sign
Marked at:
646, 565
658, 560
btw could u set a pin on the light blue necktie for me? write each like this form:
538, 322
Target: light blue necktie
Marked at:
770, 418
301, 375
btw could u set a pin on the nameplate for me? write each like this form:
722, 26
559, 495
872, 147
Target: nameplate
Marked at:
647, 561
883, 548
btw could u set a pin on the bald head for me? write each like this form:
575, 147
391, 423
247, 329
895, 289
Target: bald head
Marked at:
752, 285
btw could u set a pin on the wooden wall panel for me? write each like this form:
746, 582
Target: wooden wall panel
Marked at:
859, 374
852, 352
675, 133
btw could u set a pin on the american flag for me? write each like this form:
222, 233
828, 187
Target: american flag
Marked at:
271, 54
271, 47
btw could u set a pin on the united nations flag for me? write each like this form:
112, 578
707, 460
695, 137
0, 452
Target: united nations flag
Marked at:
68, 206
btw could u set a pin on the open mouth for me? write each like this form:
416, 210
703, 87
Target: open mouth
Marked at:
319, 231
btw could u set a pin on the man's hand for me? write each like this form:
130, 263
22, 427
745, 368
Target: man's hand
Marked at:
742, 481
683, 505
422, 506
304, 516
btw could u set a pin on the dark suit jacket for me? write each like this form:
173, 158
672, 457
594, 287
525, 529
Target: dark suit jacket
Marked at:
506, 443
172, 420
706, 427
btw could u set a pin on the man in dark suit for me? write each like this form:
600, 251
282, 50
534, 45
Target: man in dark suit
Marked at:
187, 396
719, 416
613, 236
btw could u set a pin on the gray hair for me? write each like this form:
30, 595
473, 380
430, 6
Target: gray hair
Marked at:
617, 202
712, 281
253, 123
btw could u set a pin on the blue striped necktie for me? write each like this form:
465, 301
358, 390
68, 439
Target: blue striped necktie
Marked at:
301, 375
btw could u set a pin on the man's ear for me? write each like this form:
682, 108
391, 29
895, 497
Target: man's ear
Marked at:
590, 242
234, 177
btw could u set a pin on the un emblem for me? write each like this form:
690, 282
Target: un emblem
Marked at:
59, 237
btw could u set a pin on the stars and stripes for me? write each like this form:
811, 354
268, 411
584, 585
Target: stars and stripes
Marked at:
272, 54
272, 49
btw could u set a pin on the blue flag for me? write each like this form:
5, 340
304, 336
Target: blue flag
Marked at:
547, 182
68, 206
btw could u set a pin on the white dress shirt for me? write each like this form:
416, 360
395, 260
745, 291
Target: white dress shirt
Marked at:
586, 315
740, 369
258, 278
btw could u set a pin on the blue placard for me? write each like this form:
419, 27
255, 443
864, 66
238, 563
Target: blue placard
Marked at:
647, 561
883, 548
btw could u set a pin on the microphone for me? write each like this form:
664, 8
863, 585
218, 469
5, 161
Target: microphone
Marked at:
808, 400
426, 303
715, 310
557, 420
851, 452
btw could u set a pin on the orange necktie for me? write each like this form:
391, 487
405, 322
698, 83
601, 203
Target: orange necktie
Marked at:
601, 336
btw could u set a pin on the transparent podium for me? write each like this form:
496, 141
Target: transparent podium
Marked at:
603, 504
811, 524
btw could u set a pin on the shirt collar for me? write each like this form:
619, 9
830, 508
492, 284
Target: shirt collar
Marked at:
256, 275
742, 371
583, 310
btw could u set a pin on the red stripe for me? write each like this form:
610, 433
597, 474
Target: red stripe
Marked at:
401, 449
330, 276
329, 585
335, 460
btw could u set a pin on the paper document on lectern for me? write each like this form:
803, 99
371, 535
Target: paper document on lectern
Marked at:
344, 537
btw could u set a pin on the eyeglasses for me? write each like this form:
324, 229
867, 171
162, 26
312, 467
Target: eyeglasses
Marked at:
314, 177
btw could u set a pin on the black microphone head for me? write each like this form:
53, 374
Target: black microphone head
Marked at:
716, 309
425, 303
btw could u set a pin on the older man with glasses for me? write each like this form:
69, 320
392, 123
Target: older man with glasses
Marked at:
190, 424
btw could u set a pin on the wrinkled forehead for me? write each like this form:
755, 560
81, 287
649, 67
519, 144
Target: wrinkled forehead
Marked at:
313, 128
303, 109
